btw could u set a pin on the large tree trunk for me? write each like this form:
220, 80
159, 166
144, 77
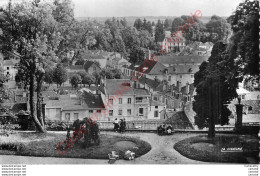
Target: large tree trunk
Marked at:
211, 132
39, 100
38, 125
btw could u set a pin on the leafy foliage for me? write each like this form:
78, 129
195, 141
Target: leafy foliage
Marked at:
88, 79
60, 75
75, 80
216, 84
245, 39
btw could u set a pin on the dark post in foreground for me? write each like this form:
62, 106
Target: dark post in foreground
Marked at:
239, 111
211, 132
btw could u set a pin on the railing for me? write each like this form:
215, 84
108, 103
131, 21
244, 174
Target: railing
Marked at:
143, 125
141, 101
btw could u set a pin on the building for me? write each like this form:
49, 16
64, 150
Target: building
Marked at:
171, 43
151, 70
125, 101
180, 69
91, 67
200, 49
97, 55
118, 63
10, 68
71, 107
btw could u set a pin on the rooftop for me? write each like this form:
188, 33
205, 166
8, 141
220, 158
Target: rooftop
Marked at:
181, 59
88, 64
150, 82
76, 67
182, 69
157, 103
152, 68
114, 85
67, 102
142, 92
10, 62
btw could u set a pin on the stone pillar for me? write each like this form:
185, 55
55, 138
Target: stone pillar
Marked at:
239, 111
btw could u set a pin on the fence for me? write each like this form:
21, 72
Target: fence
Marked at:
142, 125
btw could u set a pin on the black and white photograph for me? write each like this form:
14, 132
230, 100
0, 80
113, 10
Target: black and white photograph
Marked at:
129, 82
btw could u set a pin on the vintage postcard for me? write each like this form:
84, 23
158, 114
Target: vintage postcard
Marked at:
129, 82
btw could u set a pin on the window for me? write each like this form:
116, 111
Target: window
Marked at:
7, 68
243, 96
120, 100
110, 112
129, 100
169, 78
141, 111
67, 116
120, 112
156, 114
128, 111
155, 98
111, 101
90, 111
139, 99
156, 107
76, 116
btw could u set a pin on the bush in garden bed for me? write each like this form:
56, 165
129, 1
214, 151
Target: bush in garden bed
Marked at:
10, 144
55, 125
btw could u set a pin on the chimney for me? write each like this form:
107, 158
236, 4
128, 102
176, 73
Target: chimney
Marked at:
14, 96
179, 86
187, 88
164, 87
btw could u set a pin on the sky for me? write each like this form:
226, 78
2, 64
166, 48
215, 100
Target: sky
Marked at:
120, 8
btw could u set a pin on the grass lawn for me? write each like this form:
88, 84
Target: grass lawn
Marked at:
223, 148
44, 145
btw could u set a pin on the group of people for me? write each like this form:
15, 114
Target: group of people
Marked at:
163, 129
119, 125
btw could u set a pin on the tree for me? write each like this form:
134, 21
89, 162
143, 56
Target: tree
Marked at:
166, 24
244, 47
149, 27
117, 74
130, 38
29, 31
216, 84
75, 80
137, 55
60, 75
159, 30
123, 22
145, 38
48, 76
88, 79
218, 28
97, 77
177, 22
138, 24
80, 62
